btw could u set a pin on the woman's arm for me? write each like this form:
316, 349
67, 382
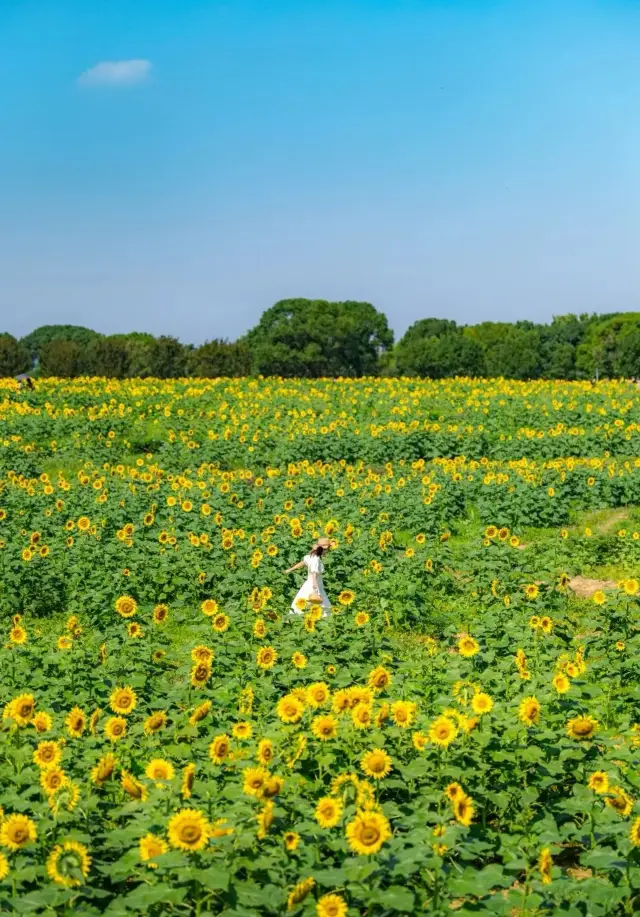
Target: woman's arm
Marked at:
295, 567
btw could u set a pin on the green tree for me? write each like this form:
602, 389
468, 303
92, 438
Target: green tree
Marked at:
220, 358
303, 337
14, 358
60, 358
168, 358
106, 356
509, 351
36, 340
437, 349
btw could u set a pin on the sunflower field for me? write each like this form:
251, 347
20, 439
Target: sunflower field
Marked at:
460, 735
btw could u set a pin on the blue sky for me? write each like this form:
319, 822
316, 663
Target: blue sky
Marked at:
475, 160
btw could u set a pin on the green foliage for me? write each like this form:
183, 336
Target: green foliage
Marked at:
45, 334
438, 349
219, 358
14, 358
314, 338
60, 358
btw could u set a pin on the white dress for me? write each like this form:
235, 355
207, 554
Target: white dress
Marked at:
314, 565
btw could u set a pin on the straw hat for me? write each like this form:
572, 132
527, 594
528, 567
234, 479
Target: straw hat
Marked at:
323, 543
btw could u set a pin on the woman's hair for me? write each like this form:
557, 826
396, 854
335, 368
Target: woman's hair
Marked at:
318, 550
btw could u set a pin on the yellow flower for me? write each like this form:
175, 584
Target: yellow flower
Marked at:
631, 586
544, 865
299, 660
18, 635
188, 830
529, 711
265, 820
599, 597
265, 752
104, 769
620, 800
220, 623
125, 605
220, 748
188, 777
200, 712
481, 703
463, 809
367, 832
403, 713
16, 831
51, 779
331, 906
123, 700
634, 833
254, 779
290, 708
209, 608
266, 657
133, 787
155, 722
599, 782
379, 679
361, 716
346, 597
152, 846
47, 754
328, 812
159, 769
115, 728
160, 615
318, 694
582, 727
291, 839
299, 893
324, 727
68, 864
4, 867
42, 722
376, 763
531, 591
76, 722
561, 683
21, 709
453, 790
467, 646
443, 731
361, 619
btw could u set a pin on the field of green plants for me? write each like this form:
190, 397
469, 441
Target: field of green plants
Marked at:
460, 735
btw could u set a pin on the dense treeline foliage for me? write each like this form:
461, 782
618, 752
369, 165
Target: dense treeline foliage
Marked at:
315, 338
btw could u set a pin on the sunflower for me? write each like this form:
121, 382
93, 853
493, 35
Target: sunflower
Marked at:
403, 713
42, 722
200, 712
582, 727
47, 754
468, 646
291, 840
631, 586
376, 763
188, 777
318, 694
134, 630
544, 865
328, 812
115, 728
481, 703
93, 720
367, 832
123, 700
155, 722
254, 779
209, 608
331, 906
361, 619
159, 769
68, 864
21, 709
346, 597
491, 531
443, 731
531, 591
133, 787
16, 831
64, 642
529, 711
299, 893
324, 727
76, 722
620, 800
126, 606
299, 660
265, 752
4, 867
361, 716
220, 623
463, 809
634, 833
379, 679
189, 830
290, 708
160, 615
51, 779
242, 730
266, 657
546, 624
220, 748
152, 846
452, 791
200, 674
599, 782
561, 683
18, 635
265, 820
104, 769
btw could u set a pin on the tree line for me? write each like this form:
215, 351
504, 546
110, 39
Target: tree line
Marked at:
315, 338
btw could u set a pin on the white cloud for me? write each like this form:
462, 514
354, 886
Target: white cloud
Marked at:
116, 73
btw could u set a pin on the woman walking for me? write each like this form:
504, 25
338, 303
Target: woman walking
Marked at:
312, 590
